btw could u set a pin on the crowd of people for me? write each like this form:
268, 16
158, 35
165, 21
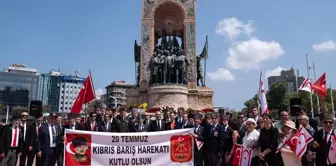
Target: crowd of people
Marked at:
42, 141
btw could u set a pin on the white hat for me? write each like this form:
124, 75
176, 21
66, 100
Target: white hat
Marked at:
251, 120
290, 124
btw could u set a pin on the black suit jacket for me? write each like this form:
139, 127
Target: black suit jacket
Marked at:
178, 125
97, 126
143, 129
323, 150
6, 139
155, 127
31, 137
215, 139
43, 143
111, 127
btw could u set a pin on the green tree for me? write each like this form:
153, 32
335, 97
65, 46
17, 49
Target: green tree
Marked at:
18, 109
252, 102
277, 96
2, 108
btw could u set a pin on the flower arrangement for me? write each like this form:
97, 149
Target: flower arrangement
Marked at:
208, 110
153, 109
143, 106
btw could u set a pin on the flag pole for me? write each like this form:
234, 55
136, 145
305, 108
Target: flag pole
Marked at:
311, 95
259, 93
332, 100
317, 97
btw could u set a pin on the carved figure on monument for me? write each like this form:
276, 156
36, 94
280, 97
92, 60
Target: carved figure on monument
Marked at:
168, 66
137, 53
204, 55
156, 66
181, 63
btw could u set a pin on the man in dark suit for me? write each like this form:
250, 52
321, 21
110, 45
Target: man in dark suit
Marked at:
141, 126
49, 142
26, 142
92, 124
33, 131
179, 118
158, 124
123, 123
198, 134
11, 142
322, 141
73, 124
215, 140
147, 120
107, 126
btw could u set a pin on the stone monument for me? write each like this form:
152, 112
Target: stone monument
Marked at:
169, 73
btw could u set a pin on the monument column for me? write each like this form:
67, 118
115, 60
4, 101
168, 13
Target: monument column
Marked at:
189, 45
147, 40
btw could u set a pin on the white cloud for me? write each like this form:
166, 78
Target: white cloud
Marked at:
231, 28
249, 54
99, 92
326, 46
221, 75
274, 72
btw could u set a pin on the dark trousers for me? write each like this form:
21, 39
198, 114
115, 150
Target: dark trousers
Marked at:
49, 157
27, 155
214, 159
198, 158
60, 158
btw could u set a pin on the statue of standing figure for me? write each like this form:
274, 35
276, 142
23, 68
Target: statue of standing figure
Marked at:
181, 63
168, 67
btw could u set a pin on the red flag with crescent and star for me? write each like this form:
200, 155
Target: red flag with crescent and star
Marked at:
236, 153
85, 95
320, 86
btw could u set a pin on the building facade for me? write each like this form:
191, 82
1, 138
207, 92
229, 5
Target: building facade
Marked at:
116, 94
59, 91
70, 87
49, 92
18, 85
291, 77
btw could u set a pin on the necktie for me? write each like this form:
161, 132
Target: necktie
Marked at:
53, 134
106, 126
15, 137
141, 128
196, 128
325, 139
93, 125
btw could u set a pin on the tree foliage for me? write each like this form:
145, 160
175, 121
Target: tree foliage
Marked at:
18, 109
278, 98
252, 102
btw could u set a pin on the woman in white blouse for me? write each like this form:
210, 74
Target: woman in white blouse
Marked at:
250, 140
288, 156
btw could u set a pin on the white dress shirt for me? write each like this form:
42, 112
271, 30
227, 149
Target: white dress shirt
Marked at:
52, 145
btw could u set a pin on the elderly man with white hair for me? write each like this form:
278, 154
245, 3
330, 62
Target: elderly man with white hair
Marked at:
304, 121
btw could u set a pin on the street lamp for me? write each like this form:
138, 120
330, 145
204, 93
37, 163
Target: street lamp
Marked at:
115, 101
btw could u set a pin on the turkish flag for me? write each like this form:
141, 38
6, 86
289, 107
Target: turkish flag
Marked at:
320, 86
85, 95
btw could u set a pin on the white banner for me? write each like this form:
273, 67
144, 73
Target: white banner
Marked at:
165, 148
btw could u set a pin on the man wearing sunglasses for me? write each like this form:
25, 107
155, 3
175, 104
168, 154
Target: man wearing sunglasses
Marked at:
322, 140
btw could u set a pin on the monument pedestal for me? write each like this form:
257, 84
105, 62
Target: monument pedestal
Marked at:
172, 95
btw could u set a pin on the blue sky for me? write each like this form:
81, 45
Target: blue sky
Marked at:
244, 37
